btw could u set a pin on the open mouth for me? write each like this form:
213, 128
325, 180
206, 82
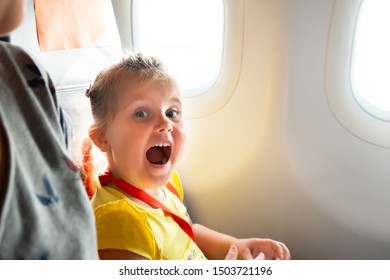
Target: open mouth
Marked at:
159, 154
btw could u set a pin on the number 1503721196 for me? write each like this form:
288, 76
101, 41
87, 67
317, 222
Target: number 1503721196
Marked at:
241, 270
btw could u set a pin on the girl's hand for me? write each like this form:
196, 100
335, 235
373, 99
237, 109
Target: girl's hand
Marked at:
258, 248
233, 254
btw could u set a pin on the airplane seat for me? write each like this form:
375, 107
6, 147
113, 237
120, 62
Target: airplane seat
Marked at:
70, 57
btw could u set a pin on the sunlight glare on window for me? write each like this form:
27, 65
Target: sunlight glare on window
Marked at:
371, 55
187, 35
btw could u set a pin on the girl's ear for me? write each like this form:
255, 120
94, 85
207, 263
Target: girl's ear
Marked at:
98, 138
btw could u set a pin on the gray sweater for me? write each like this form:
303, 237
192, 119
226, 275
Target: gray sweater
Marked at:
45, 213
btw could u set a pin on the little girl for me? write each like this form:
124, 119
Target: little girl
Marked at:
138, 204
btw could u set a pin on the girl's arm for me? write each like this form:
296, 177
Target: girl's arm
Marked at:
214, 245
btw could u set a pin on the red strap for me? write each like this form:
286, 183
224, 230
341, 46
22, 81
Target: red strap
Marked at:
173, 190
143, 196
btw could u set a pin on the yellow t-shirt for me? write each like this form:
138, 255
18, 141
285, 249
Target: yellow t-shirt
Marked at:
126, 225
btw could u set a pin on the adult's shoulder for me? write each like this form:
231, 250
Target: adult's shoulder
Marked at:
12, 50
16, 55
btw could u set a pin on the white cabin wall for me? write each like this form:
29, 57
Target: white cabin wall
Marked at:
235, 169
345, 177
274, 162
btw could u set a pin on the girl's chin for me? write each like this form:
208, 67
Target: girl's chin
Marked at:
156, 174
159, 179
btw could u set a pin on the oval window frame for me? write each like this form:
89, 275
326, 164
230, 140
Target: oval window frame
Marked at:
376, 111
339, 92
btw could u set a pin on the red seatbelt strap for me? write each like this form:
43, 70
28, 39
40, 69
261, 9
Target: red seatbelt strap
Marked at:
143, 196
172, 189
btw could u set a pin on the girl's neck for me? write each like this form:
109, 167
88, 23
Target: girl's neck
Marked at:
157, 192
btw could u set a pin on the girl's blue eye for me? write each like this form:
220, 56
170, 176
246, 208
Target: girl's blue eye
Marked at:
141, 114
173, 114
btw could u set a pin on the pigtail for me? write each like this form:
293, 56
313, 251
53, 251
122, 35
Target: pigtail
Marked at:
87, 167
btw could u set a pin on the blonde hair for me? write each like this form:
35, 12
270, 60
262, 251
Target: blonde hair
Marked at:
132, 70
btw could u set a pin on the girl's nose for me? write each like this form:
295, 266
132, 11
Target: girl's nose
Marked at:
164, 125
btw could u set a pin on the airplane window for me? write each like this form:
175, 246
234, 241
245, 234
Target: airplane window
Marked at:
187, 35
356, 64
371, 58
